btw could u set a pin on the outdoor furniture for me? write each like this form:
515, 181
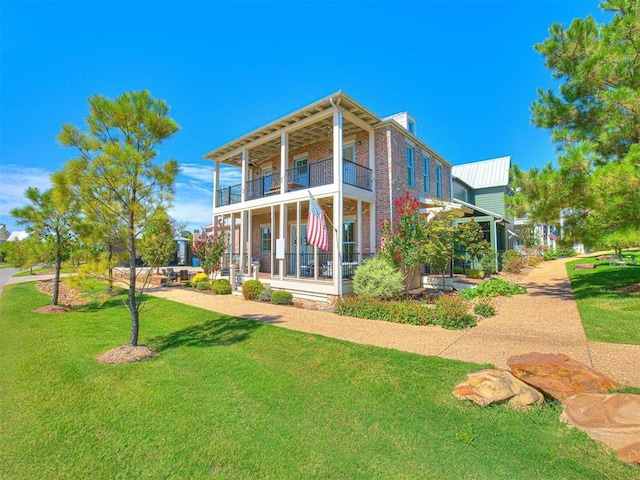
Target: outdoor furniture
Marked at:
171, 274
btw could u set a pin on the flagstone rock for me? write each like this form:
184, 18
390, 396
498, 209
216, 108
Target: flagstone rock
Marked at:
613, 419
559, 376
494, 386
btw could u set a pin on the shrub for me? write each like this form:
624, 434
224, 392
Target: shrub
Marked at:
488, 261
534, 260
493, 288
549, 255
513, 262
402, 311
199, 277
471, 273
378, 278
282, 298
362, 306
484, 308
565, 252
187, 283
221, 286
203, 285
452, 312
251, 289
265, 295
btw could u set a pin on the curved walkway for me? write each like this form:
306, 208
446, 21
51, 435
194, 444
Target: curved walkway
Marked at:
544, 320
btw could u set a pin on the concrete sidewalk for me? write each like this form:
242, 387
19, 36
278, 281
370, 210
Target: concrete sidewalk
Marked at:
544, 320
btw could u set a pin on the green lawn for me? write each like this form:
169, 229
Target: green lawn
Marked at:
238, 399
607, 314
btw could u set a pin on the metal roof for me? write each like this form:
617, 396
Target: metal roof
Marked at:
484, 174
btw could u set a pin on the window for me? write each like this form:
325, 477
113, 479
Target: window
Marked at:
425, 173
349, 242
411, 126
439, 181
411, 177
265, 243
301, 172
349, 159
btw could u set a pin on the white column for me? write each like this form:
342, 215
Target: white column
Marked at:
243, 185
250, 241
372, 159
232, 239
241, 264
337, 241
284, 160
273, 238
216, 183
298, 240
372, 227
359, 231
337, 199
283, 235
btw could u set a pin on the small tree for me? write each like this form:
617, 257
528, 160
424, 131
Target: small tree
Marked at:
209, 248
115, 176
158, 246
24, 253
48, 220
469, 235
413, 239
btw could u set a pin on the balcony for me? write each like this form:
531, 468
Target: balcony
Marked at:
301, 177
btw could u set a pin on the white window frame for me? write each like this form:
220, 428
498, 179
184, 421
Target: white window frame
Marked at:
262, 237
411, 166
425, 174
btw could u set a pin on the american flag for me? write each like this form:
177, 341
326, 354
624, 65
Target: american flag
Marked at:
553, 235
316, 227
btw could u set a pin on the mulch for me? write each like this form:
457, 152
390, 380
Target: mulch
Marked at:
126, 354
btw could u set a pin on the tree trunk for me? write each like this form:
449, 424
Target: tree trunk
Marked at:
110, 269
133, 306
56, 277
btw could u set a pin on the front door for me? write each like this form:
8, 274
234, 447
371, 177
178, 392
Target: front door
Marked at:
301, 173
267, 179
306, 251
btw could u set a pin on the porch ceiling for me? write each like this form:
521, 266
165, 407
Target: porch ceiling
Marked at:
300, 137
318, 131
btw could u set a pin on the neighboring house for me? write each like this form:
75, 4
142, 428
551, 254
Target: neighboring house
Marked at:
18, 236
481, 188
4, 234
353, 162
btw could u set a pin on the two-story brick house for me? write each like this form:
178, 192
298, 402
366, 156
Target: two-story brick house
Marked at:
353, 162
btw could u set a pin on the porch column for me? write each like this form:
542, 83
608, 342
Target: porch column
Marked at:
250, 241
232, 238
283, 235
372, 227
338, 230
359, 231
284, 159
243, 185
337, 199
241, 264
273, 239
298, 240
216, 183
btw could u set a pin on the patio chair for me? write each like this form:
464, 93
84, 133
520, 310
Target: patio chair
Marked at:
171, 274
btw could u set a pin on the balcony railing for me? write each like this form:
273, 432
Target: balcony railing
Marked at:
350, 261
301, 177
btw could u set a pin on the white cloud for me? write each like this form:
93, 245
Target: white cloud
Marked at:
201, 173
14, 180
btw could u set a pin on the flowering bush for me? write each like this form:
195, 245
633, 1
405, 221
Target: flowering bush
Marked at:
210, 247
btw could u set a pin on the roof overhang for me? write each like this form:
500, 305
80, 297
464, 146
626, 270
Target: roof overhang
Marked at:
479, 209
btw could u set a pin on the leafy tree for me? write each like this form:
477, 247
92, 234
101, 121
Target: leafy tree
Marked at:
412, 239
595, 119
158, 245
48, 220
469, 235
24, 253
115, 177
210, 247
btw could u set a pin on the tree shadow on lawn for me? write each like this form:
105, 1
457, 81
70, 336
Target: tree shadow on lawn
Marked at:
222, 331
605, 282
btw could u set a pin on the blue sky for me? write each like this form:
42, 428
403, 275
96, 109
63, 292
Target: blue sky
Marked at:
466, 70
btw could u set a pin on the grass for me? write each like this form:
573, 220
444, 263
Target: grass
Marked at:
607, 314
230, 398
